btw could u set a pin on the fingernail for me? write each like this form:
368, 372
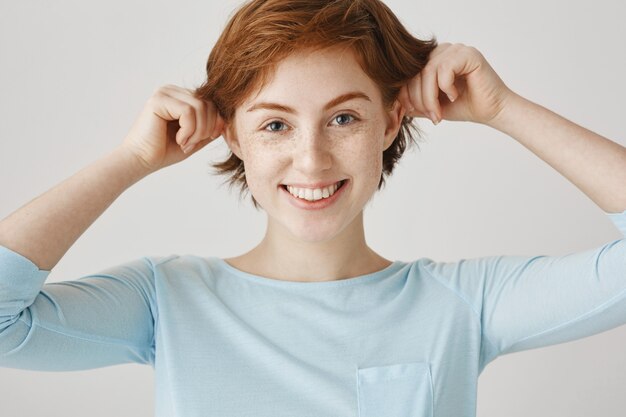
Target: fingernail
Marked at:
450, 98
433, 118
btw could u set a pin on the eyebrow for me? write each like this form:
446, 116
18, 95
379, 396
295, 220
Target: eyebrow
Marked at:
332, 103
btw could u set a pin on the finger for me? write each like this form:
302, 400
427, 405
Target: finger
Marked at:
414, 91
445, 77
192, 148
415, 88
462, 60
432, 84
201, 111
430, 93
208, 112
404, 99
219, 125
168, 108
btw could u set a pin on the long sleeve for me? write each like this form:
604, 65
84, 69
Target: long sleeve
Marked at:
97, 320
529, 302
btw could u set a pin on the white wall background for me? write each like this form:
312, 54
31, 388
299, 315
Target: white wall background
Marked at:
74, 75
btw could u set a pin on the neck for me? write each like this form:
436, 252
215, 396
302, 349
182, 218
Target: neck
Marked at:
282, 256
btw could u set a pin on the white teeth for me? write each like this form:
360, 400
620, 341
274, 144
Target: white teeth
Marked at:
313, 195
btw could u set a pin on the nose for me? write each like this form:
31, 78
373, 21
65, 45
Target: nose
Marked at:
312, 155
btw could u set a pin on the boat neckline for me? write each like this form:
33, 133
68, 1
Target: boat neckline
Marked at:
359, 279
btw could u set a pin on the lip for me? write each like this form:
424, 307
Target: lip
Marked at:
315, 205
314, 185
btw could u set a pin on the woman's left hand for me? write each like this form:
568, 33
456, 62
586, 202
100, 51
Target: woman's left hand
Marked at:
464, 76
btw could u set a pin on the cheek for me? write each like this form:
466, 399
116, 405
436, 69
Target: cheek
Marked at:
260, 166
372, 165
364, 154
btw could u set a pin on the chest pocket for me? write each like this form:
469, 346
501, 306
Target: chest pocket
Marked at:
399, 390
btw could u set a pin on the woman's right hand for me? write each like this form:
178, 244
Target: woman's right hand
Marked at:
172, 117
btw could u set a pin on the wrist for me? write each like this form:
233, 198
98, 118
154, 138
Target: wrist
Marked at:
136, 168
510, 106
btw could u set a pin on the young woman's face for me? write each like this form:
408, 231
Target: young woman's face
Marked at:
309, 142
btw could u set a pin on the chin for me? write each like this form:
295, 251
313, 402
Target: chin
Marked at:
314, 232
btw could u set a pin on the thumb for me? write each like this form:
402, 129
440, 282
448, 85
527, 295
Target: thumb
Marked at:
404, 99
198, 145
219, 127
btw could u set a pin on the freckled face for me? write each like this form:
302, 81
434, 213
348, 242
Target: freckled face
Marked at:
314, 143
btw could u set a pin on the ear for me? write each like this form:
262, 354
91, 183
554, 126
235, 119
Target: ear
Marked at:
394, 122
230, 137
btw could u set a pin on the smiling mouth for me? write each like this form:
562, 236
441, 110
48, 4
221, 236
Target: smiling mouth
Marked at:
341, 183
319, 203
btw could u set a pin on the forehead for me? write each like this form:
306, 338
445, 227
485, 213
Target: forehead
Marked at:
314, 78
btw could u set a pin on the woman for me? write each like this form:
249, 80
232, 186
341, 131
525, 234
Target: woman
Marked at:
311, 322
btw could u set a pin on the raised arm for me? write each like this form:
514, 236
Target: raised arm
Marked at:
595, 164
46, 227
99, 319
525, 302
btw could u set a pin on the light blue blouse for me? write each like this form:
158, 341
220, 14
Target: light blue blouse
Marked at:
408, 341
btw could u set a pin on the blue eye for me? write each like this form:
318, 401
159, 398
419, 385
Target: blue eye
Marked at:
275, 122
344, 114
279, 123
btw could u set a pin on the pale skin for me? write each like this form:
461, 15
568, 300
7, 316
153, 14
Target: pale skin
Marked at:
318, 145
593, 163
308, 146
309, 252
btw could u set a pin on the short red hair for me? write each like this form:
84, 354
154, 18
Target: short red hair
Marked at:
263, 32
